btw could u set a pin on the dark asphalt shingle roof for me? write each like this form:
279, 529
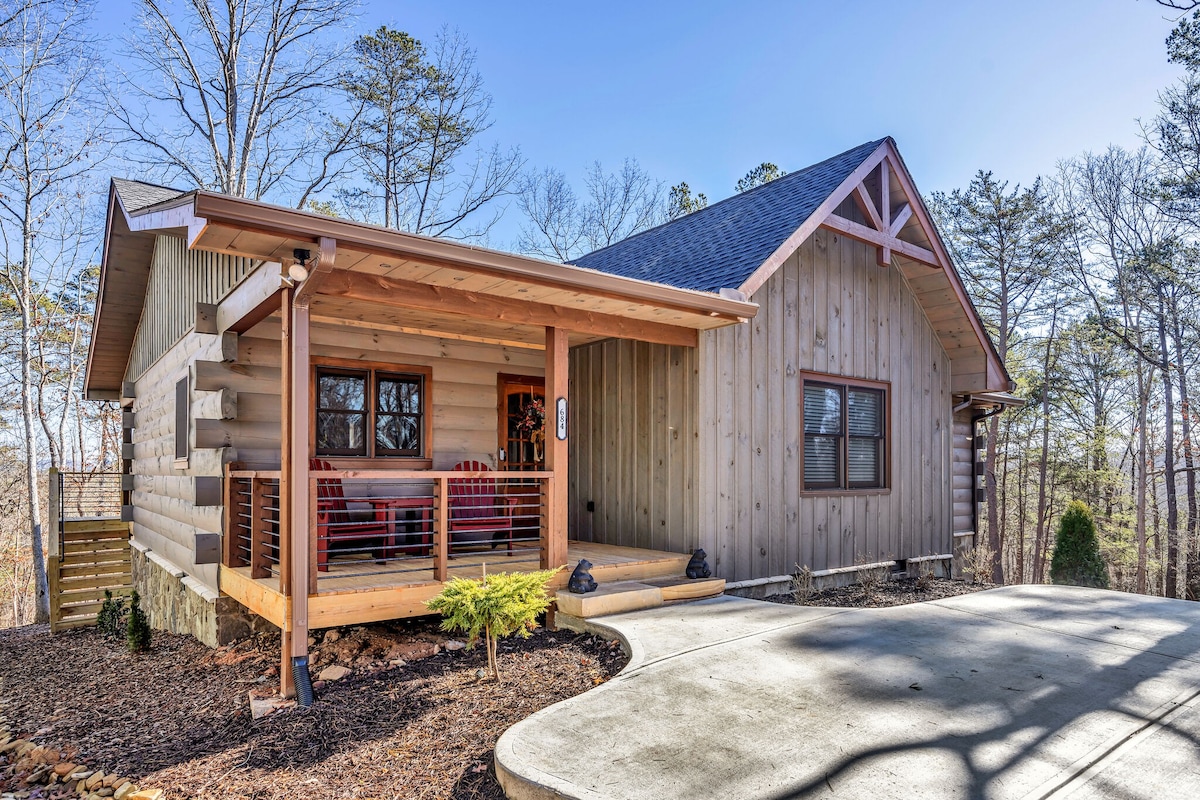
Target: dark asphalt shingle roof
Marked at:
136, 195
720, 246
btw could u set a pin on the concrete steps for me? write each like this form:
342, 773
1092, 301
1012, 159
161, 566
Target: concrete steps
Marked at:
621, 596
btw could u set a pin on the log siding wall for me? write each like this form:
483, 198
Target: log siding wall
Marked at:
828, 309
179, 279
166, 517
633, 445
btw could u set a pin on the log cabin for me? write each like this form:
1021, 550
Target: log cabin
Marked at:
326, 420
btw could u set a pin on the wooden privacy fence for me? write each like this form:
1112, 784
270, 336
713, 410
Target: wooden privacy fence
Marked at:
89, 546
390, 521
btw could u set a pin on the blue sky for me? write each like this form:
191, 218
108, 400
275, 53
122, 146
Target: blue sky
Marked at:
704, 91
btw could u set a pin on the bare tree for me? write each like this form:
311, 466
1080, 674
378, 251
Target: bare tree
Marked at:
48, 143
561, 227
232, 95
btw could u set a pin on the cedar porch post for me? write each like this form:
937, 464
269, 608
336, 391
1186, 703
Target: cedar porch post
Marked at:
300, 534
287, 687
555, 554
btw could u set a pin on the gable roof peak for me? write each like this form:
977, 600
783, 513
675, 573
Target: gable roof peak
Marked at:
721, 245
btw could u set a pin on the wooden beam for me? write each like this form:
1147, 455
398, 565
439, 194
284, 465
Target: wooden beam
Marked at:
866, 205
254, 299
867, 235
407, 294
901, 220
885, 196
555, 554
319, 268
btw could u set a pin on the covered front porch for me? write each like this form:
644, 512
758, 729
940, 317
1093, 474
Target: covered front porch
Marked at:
393, 368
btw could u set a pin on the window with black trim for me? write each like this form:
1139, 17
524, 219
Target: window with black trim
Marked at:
845, 436
370, 413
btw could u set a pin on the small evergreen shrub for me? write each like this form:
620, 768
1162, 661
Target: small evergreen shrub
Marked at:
137, 631
493, 607
111, 619
1077, 560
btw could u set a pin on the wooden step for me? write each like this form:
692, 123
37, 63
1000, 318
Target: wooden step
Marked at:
105, 524
617, 598
77, 566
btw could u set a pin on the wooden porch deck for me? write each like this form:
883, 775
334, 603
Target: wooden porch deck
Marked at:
359, 591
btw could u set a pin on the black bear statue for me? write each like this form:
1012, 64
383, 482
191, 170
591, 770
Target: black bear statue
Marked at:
581, 581
698, 567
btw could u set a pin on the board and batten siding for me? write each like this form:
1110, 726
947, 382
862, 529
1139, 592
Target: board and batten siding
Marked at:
828, 309
633, 444
179, 279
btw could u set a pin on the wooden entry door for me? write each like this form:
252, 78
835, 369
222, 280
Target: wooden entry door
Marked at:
521, 451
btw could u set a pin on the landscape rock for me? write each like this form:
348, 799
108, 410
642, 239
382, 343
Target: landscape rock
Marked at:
332, 636
94, 782
124, 790
334, 673
65, 768
146, 794
455, 644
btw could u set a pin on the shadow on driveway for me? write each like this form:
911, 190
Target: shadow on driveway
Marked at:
1009, 693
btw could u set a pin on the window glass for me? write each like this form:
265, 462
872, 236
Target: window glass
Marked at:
368, 413
341, 414
398, 415
844, 445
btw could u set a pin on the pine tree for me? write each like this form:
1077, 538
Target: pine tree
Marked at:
137, 634
1077, 559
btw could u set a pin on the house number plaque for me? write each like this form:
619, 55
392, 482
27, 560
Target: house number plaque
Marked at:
560, 418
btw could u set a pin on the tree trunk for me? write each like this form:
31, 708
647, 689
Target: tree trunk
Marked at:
1040, 543
29, 427
1172, 566
1139, 465
995, 542
1192, 569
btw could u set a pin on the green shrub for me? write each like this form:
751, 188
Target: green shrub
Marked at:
1077, 559
111, 619
495, 606
137, 631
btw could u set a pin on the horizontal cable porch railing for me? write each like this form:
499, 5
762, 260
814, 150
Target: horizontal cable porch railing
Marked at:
252, 532
417, 525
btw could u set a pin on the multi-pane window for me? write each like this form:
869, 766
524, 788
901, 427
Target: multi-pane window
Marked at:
845, 444
370, 413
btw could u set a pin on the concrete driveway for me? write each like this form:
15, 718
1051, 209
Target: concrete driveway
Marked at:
1019, 692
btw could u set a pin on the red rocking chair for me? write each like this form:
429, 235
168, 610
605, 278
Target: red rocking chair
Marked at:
336, 523
478, 513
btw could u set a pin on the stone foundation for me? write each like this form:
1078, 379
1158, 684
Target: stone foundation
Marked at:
176, 602
760, 588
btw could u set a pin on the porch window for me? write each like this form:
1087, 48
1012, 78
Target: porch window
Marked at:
370, 413
845, 435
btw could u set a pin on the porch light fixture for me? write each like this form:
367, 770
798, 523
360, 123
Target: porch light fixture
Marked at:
298, 271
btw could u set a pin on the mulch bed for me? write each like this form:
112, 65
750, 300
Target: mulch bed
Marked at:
178, 717
887, 593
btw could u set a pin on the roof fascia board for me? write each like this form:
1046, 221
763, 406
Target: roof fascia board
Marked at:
354, 235
108, 234
173, 215
761, 275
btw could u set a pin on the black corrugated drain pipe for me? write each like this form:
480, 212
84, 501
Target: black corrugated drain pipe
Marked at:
303, 681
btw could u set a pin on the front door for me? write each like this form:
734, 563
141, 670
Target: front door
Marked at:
522, 415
